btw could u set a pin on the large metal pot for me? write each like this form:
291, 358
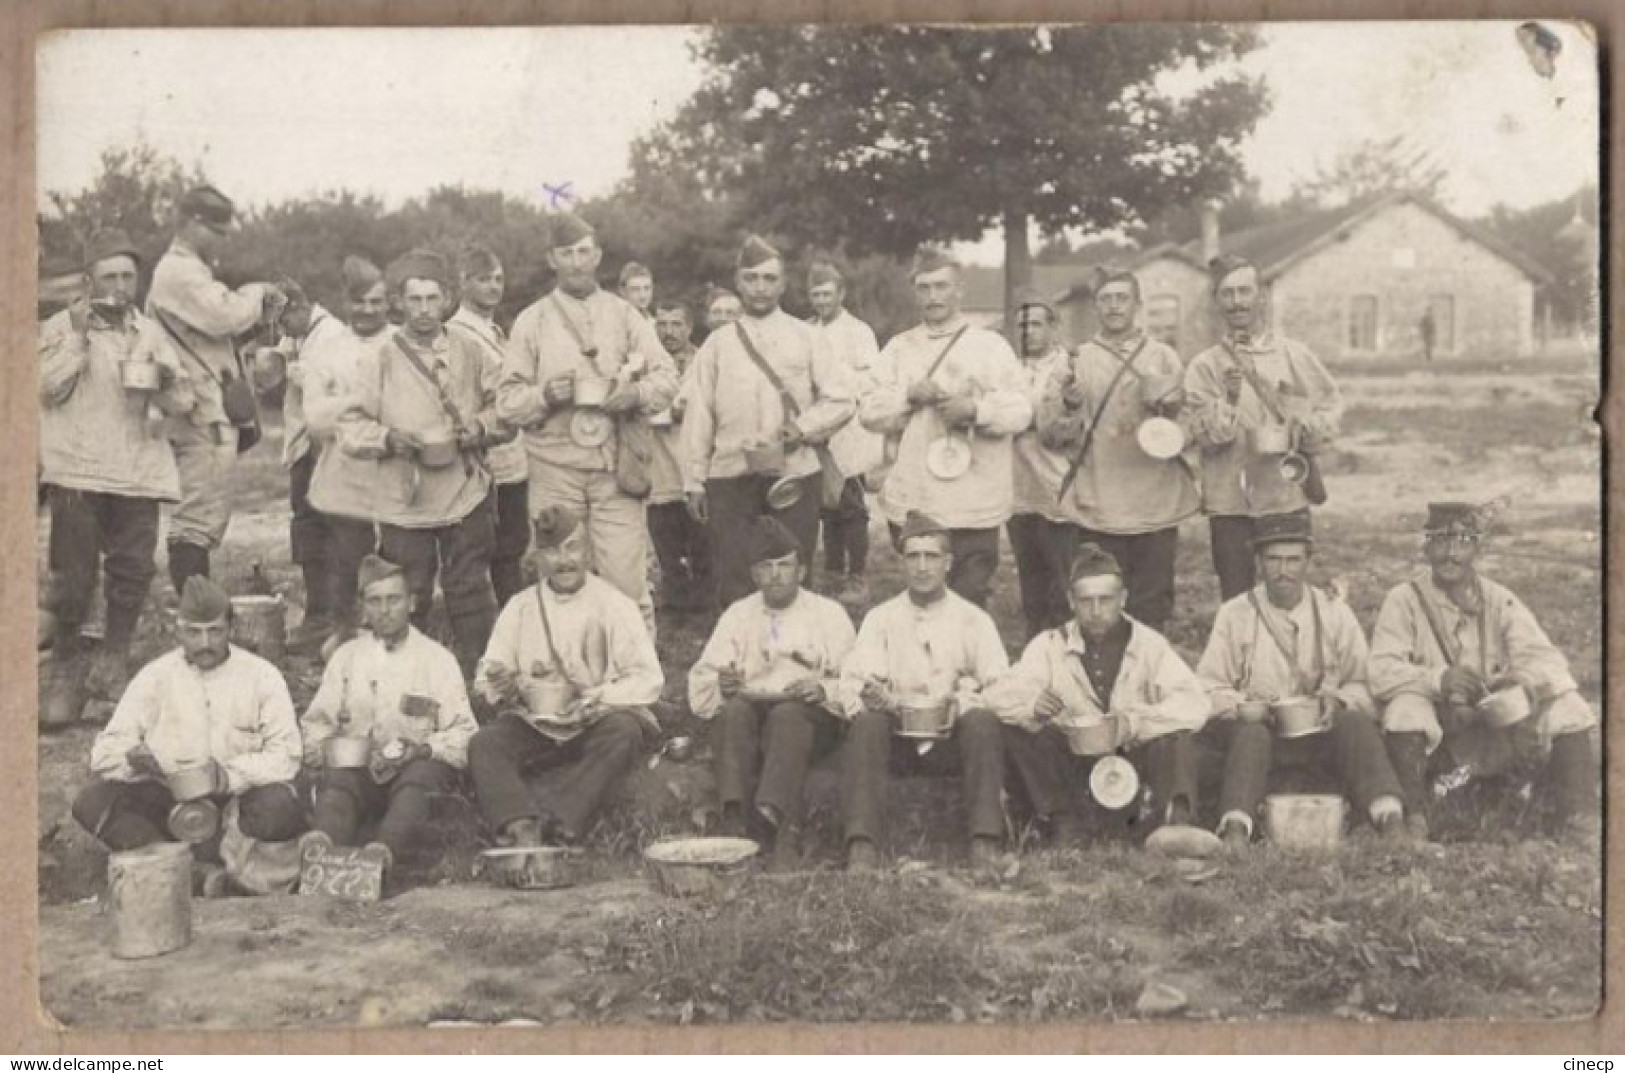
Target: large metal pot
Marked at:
1506, 707
593, 391
1304, 821
260, 624
687, 867
533, 867
1298, 717
346, 752
921, 718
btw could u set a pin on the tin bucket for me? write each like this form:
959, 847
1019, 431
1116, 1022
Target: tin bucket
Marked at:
346, 752
690, 867
1298, 717
191, 783
1090, 739
924, 718
260, 624
1272, 439
437, 451
150, 895
137, 374
533, 867
1304, 821
552, 697
593, 390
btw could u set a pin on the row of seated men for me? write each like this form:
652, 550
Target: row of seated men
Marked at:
571, 678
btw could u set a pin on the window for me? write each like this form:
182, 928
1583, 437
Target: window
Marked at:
1442, 308
1362, 334
1162, 318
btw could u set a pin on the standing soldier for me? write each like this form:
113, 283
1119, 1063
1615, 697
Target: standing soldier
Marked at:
680, 542
105, 465
855, 449
419, 413
953, 401
1040, 540
1126, 491
721, 307
638, 288
202, 317
1258, 401
480, 283
575, 333
765, 391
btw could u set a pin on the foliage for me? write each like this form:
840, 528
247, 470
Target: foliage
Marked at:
1546, 233
136, 191
1375, 166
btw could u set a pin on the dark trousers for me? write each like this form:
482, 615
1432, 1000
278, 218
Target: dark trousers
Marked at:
763, 752
350, 540
976, 559
92, 532
684, 552
129, 815
1232, 536
1147, 560
587, 768
1352, 749
460, 554
1043, 550
511, 540
872, 753
328, 548
348, 797
846, 531
733, 504
1054, 778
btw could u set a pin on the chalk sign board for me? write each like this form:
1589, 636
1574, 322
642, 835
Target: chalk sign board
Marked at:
341, 873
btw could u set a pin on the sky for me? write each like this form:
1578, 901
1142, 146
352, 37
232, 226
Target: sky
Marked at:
274, 114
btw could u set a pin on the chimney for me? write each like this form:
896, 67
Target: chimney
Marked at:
1210, 229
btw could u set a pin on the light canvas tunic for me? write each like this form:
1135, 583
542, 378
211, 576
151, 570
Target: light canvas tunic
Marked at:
929, 651
327, 333
980, 364
202, 315
602, 644
1242, 659
1235, 479
239, 715
1406, 660
809, 638
366, 679
507, 460
542, 348
1119, 488
732, 401
94, 435
1155, 692
1038, 470
666, 466
855, 449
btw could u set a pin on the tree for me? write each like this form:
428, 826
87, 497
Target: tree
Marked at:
135, 191
1547, 233
876, 139
1372, 167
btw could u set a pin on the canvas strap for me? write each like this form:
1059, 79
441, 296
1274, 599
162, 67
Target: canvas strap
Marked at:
1094, 422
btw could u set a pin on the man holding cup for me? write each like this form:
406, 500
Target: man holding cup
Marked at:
1107, 670
1287, 645
403, 695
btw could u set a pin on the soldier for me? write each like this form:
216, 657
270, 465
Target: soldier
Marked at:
1283, 640
637, 286
105, 466
1103, 667
765, 392
1041, 541
480, 284
571, 671
856, 451
952, 400
769, 676
402, 692
924, 645
722, 306
1253, 387
202, 317
679, 540
1122, 496
205, 705
1446, 640
576, 332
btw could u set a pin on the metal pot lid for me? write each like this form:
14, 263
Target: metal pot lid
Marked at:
948, 458
784, 493
590, 428
194, 821
1160, 438
1114, 782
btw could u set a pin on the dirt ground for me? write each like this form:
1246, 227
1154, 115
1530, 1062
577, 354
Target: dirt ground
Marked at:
1492, 922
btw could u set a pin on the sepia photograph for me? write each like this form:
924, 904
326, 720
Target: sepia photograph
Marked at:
742, 524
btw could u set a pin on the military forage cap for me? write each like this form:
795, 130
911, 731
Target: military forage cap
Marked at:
931, 259
919, 524
417, 264
1461, 518
360, 276
566, 229
202, 601
1291, 528
110, 242
756, 251
769, 539
552, 525
822, 273
208, 205
375, 568
1093, 561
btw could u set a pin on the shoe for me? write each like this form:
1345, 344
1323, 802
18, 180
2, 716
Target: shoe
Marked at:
1234, 834
1391, 828
984, 853
862, 856
1416, 827
109, 673
786, 855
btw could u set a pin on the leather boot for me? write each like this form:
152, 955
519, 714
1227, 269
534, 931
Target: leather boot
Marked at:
1573, 774
1408, 752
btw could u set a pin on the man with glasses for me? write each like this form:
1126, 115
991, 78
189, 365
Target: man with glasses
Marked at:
1445, 641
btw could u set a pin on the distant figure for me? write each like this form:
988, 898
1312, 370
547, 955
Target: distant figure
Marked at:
637, 285
722, 306
1429, 331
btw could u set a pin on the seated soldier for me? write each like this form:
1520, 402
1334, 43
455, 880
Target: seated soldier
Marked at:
1102, 667
924, 645
1285, 639
404, 694
571, 672
769, 675
207, 705
1446, 640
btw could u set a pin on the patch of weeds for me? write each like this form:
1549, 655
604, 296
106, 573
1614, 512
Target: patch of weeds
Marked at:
1186, 912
